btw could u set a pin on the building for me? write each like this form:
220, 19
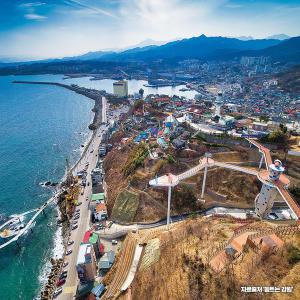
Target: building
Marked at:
86, 263
100, 212
218, 103
98, 290
96, 176
93, 239
267, 243
106, 261
120, 88
96, 199
195, 113
261, 127
242, 124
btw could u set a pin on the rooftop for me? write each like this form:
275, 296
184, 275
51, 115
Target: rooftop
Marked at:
84, 249
99, 196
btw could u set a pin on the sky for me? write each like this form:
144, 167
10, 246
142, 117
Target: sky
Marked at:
58, 28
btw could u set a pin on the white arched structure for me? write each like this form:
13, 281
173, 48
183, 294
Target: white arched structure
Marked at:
272, 179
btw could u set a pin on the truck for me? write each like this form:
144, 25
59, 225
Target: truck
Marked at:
102, 150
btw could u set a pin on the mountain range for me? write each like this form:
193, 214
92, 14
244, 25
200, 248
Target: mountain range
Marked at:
280, 37
202, 47
208, 48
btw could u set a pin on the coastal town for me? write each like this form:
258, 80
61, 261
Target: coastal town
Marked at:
149, 150
156, 162
158, 170
157, 165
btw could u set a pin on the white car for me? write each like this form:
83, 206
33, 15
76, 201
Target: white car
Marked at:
65, 264
70, 242
57, 292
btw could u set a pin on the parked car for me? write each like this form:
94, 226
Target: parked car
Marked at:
69, 251
63, 276
71, 242
76, 217
75, 222
79, 203
110, 224
65, 264
114, 242
99, 226
74, 227
57, 292
60, 282
272, 216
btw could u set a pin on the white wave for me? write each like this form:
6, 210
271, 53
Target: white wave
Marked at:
57, 252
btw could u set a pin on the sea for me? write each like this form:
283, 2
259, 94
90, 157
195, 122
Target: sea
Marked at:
41, 127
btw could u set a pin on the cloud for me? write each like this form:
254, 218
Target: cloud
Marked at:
101, 24
166, 19
34, 17
85, 9
32, 4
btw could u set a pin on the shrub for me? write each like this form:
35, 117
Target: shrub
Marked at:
171, 159
293, 255
158, 165
184, 197
135, 159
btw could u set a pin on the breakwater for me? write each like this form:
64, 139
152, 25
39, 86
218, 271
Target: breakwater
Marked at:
93, 94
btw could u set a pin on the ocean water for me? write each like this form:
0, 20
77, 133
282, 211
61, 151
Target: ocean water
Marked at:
133, 87
40, 128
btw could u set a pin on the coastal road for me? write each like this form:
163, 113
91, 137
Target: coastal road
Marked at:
69, 288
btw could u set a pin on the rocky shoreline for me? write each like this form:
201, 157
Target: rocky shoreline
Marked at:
49, 288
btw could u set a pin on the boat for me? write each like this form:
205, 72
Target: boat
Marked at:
16, 220
11, 231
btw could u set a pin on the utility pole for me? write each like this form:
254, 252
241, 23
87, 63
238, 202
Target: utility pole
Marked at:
207, 155
169, 206
261, 161
204, 182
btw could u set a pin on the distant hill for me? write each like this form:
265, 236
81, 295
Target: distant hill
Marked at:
198, 47
245, 38
201, 47
280, 37
96, 55
285, 51
89, 56
215, 48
